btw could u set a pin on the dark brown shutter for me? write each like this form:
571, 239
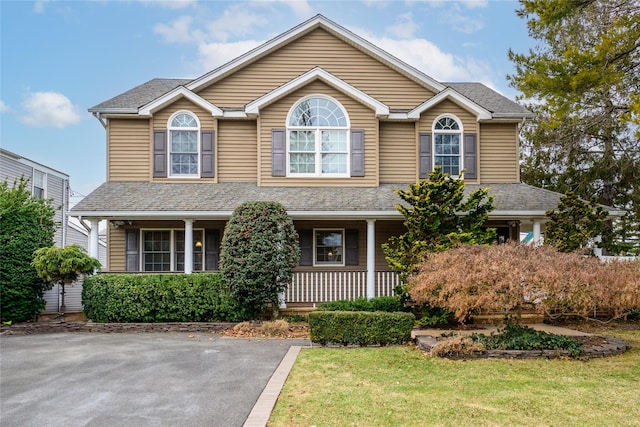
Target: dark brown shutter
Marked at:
159, 153
132, 257
470, 156
207, 154
357, 152
278, 152
305, 239
351, 247
424, 155
211, 250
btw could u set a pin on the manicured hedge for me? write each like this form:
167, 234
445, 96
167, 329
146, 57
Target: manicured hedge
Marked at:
390, 304
360, 327
159, 298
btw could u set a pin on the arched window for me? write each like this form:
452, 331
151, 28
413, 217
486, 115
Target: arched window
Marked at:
447, 144
318, 138
183, 144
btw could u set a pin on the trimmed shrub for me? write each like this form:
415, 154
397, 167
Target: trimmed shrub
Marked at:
360, 327
388, 304
159, 298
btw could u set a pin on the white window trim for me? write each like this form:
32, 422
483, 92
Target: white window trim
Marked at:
198, 143
315, 246
460, 132
172, 248
318, 141
44, 182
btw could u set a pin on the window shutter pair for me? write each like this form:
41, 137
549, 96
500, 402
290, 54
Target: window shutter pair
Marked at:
279, 152
351, 248
470, 155
207, 154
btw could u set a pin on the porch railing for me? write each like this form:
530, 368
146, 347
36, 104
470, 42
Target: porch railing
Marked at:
321, 286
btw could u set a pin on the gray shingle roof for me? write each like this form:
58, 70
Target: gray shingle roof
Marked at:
488, 98
130, 198
140, 95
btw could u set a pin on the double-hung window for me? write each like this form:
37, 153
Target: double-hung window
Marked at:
163, 250
328, 247
39, 181
318, 138
447, 133
183, 145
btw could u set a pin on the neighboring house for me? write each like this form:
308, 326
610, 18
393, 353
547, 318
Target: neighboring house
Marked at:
320, 120
48, 183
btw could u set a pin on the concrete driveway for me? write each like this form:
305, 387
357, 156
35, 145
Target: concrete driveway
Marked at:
144, 379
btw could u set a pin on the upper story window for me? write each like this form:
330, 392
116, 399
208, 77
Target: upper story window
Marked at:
318, 138
447, 144
39, 184
183, 145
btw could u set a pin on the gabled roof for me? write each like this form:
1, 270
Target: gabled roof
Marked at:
317, 73
178, 92
318, 21
476, 97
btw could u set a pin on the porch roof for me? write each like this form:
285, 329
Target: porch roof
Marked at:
162, 200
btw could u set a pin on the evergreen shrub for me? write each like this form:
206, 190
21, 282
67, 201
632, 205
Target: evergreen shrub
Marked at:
389, 304
360, 327
127, 298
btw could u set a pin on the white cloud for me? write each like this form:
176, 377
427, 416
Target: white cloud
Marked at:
465, 24
301, 8
475, 4
38, 6
213, 55
237, 20
49, 109
404, 27
170, 4
177, 32
4, 107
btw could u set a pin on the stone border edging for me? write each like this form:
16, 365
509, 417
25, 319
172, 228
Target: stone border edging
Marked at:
613, 347
61, 327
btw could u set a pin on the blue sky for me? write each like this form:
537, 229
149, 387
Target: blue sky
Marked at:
59, 58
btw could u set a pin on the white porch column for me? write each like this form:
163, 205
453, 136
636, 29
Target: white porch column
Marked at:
536, 232
597, 251
188, 246
371, 258
93, 238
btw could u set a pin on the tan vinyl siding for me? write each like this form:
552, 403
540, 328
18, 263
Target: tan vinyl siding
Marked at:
398, 159
317, 49
499, 153
129, 150
237, 151
361, 117
384, 230
116, 249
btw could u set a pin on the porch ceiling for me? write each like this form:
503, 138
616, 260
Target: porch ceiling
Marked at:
130, 200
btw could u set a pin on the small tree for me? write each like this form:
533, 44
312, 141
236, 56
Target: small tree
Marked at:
26, 224
259, 252
63, 266
438, 219
573, 224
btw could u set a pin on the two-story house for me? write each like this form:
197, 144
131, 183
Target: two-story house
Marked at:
320, 120
48, 183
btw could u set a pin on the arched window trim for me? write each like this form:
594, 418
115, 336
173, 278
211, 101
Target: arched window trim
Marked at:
318, 131
171, 128
459, 131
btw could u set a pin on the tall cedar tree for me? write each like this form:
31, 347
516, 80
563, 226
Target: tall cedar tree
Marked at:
26, 224
259, 252
574, 224
437, 218
582, 80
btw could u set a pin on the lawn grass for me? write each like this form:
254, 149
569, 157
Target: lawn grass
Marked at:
400, 386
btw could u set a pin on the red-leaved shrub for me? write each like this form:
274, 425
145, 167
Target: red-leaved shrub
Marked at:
509, 278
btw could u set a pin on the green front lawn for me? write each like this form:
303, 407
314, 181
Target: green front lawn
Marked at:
400, 386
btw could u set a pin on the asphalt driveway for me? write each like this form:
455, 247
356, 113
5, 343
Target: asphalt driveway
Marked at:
143, 379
